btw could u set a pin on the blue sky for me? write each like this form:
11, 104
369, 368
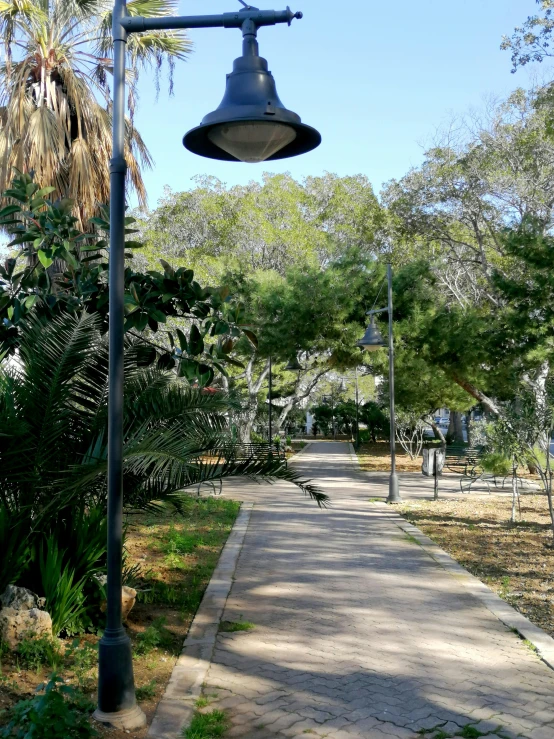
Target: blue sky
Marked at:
376, 78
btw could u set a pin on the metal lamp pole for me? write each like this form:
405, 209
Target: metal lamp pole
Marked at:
270, 408
372, 341
251, 101
357, 413
394, 495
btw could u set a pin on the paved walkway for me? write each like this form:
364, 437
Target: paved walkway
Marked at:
359, 633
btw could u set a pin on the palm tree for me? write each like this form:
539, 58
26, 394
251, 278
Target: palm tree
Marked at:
53, 435
55, 97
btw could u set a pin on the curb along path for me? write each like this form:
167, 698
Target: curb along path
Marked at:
176, 708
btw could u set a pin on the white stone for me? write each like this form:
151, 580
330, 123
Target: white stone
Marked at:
20, 599
17, 625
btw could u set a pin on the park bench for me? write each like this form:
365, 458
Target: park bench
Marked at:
260, 452
466, 461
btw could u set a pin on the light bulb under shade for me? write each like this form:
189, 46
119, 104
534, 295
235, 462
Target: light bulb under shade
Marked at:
252, 141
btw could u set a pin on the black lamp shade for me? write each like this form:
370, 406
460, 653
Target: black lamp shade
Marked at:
372, 339
251, 124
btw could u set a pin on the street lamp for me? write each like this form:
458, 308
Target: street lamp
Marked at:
372, 341
251, 125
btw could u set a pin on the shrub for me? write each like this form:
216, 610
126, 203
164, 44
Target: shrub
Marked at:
154, 636
35, 652
56, 712
256, 438
64, 595
497, 464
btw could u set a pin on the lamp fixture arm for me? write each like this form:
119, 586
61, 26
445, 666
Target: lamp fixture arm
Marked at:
138, 24
379, 310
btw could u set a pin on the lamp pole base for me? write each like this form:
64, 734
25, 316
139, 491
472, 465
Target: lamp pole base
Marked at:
129, 719
117, 705
394, 494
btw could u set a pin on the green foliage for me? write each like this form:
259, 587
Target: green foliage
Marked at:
207, 725
532, 42
470, 732
270, 226
82, 658
35, 652
56, 712
146, 691
256, 438
64, 594
153, 637
377, 422
233, 626
496, 463
45, 232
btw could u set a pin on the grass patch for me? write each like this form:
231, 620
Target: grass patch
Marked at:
411, 538
207, 725
145, 692
470, 732
172, 558
231, 626
205, 700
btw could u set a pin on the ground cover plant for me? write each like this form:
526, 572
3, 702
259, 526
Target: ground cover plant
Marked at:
514, 559
169, 561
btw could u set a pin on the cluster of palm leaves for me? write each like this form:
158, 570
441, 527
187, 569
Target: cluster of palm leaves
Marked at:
53, 448
55, 95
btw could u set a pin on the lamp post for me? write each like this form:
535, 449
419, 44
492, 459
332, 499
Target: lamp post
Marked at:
357, 413
372, 341
270, 440
252, 125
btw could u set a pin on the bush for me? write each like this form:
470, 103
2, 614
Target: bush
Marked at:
64, 595
256, 438
154, 636
33, 652
497, 464
56, 712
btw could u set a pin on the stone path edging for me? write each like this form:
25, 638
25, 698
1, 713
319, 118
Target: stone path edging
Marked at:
176, 708
543, 643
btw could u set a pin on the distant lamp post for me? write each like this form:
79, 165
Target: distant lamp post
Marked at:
270, 390
250, 125
357, 412
371, 341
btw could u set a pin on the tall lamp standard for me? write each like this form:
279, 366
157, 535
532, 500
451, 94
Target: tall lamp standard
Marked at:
270, 388
250, 125
371, 341
357, 413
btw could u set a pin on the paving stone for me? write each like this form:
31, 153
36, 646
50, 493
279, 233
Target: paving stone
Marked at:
359, 632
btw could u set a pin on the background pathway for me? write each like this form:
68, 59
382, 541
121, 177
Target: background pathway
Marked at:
359, 633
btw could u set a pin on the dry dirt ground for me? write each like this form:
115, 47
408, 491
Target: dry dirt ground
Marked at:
376, 458
515, 560
170, 560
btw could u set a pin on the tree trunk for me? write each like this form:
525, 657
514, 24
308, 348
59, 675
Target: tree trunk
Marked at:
455, 428
469, 417
436, 430
514, 494
487, 402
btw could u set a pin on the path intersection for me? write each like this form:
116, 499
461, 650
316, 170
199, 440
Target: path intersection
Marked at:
358, 631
